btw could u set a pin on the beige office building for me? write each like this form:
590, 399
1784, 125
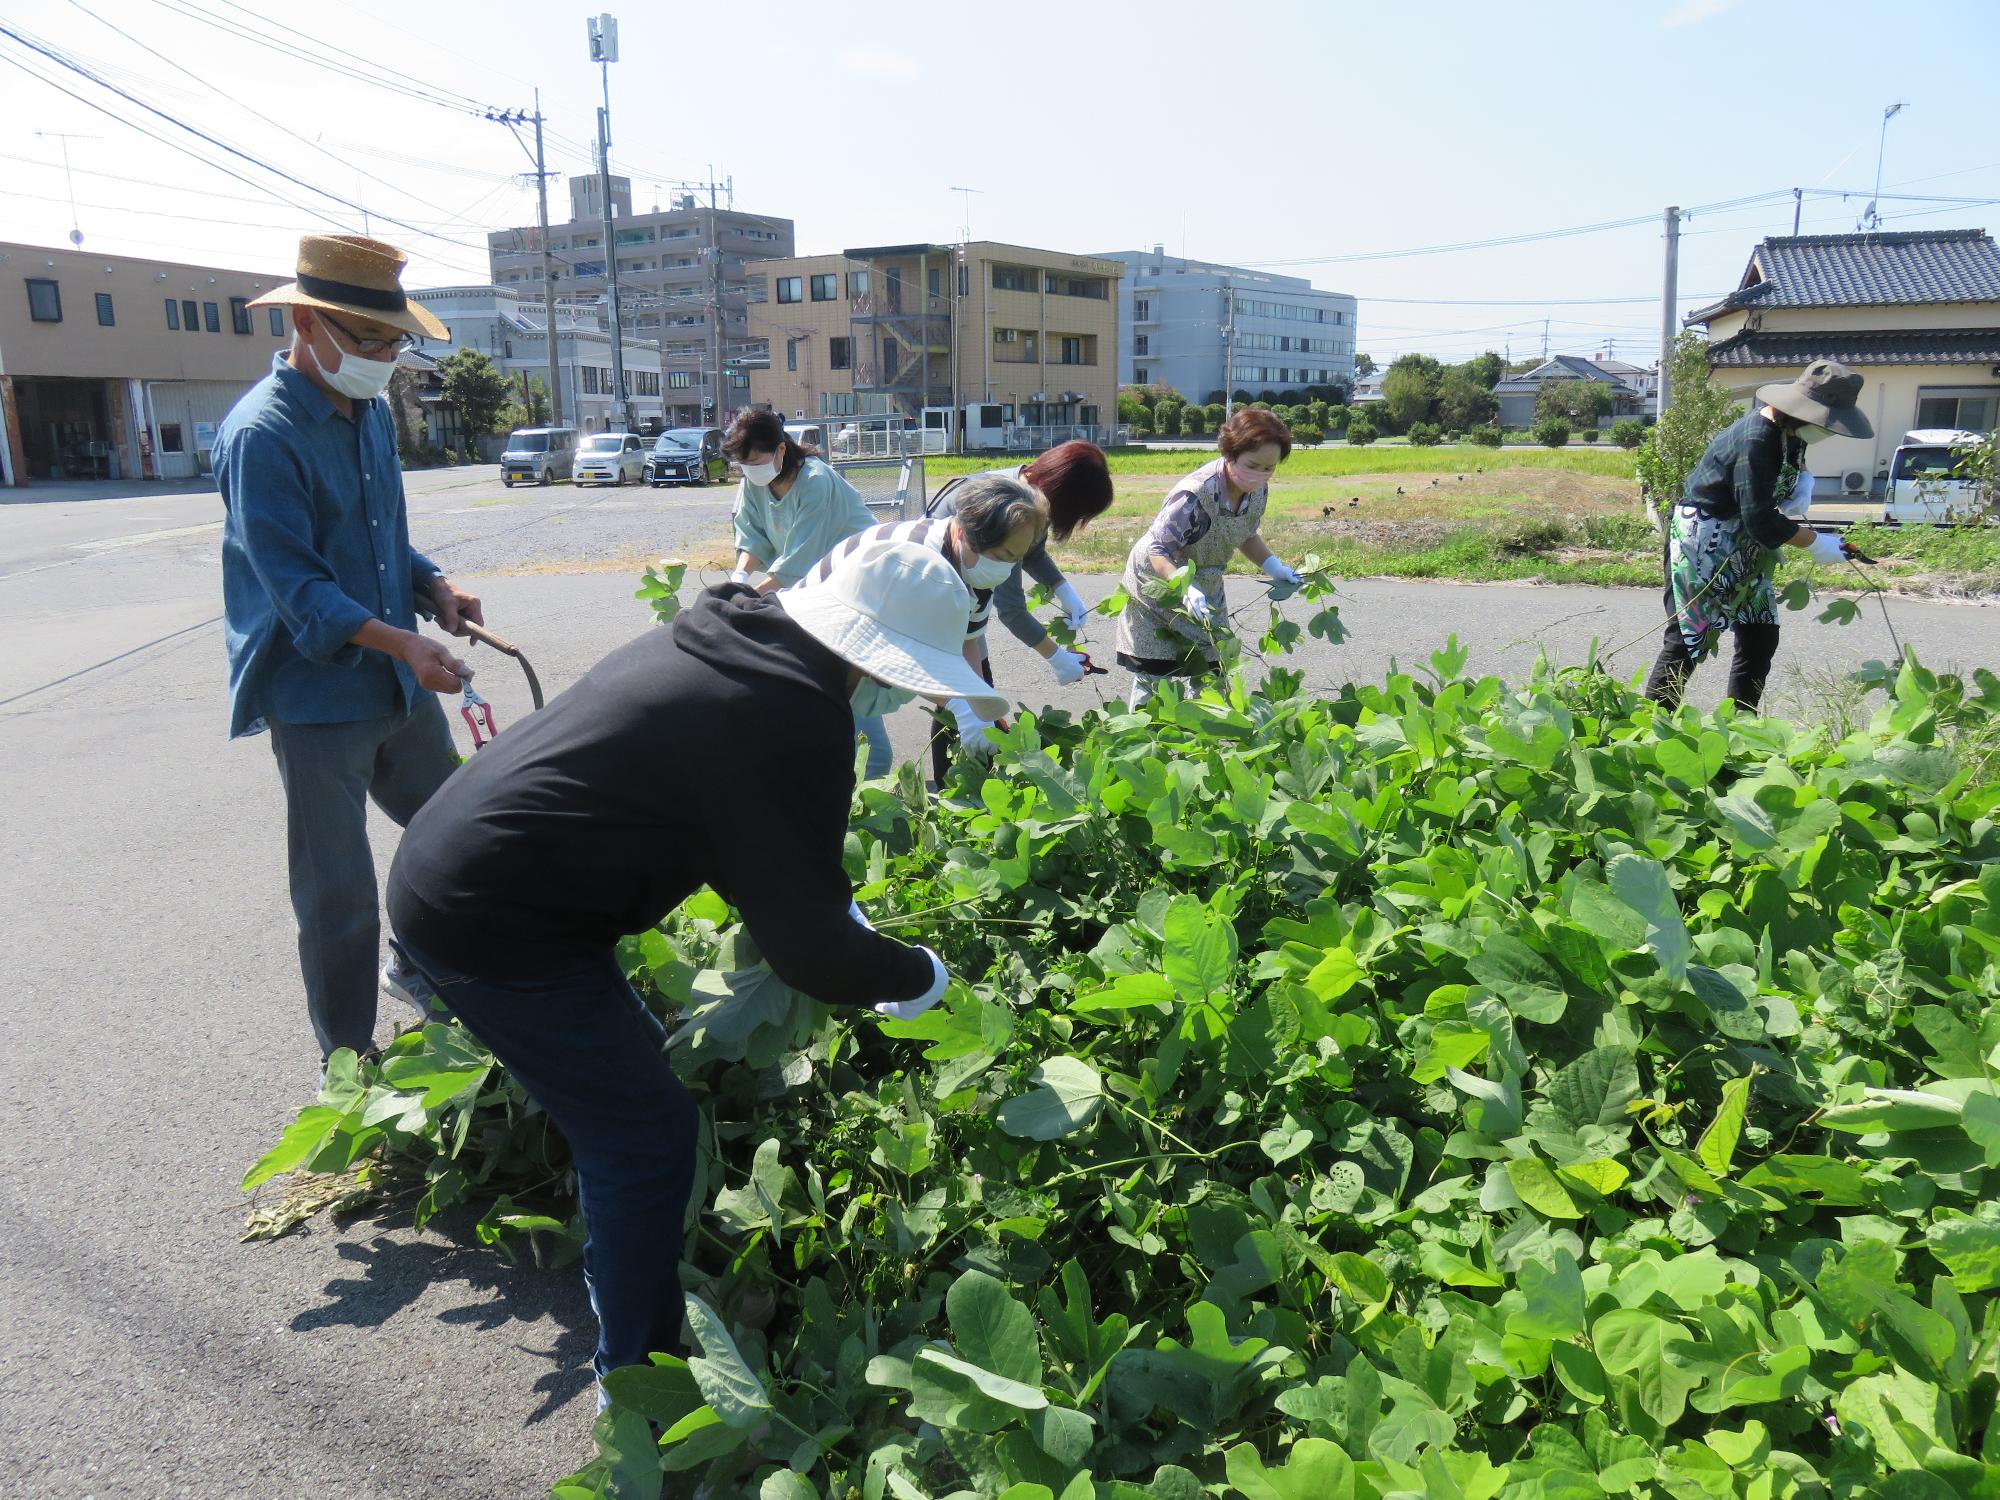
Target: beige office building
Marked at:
1028, 337
113, 367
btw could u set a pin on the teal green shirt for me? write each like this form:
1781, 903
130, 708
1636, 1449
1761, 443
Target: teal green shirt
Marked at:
788, 536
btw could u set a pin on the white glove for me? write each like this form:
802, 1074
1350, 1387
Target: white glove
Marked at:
909, 1010
1281, 573
1195, 602
1826, 548
855, 912
749, 578
1075, 613
974, 733
1067, 665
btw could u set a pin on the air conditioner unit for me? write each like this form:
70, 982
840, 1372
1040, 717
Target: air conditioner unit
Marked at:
1854, 482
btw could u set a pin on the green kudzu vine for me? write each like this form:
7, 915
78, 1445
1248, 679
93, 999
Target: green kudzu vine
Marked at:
1433, 1088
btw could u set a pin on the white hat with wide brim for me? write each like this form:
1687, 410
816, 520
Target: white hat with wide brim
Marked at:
898, 611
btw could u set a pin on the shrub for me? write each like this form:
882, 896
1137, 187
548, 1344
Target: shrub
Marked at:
1360, 430
1591, 434
1619, 533
1305, 432
1486, 434
1551, 432
1337, 417
1194, 421
1240, 397
1425, 434
1216, 413
1141, 427
1213, 398
1532, 537
1628, 432
1267, 398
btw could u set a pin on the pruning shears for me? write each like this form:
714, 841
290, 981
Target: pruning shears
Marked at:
476, 711
1091, 668
1855, 554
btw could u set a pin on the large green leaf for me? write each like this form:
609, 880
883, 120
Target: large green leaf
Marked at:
1067, 1096
1314, 1469
1521, 977
1595, 1088
1200, 952
1642, 884
992, 1330
726, 1381
1632, 1345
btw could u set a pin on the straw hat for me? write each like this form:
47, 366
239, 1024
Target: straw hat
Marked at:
344, 273
897, 610
1824, 396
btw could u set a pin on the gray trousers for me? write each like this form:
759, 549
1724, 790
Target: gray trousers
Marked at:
330, 771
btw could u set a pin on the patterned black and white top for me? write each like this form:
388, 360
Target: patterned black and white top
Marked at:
933, 532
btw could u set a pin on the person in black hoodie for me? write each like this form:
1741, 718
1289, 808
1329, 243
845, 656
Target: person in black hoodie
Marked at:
717, 751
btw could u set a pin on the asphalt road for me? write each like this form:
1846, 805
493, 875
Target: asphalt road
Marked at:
156, 1042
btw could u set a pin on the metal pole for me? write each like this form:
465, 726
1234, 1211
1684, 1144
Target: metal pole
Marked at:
1229, 355
1669, 296
924, 338
622, 397
715, 301
957, 406
548, 271
1798, 202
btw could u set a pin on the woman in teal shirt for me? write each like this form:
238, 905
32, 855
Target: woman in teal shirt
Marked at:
791, 510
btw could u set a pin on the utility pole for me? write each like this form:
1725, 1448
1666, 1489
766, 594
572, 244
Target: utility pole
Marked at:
957, 406
1229, 355
1798, 203
715, 335
604, 52
542, 176
1669, 299
548, 272
1545, 341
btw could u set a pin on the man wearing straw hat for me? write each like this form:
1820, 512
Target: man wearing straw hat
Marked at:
319, 584
1746, 499
717, 751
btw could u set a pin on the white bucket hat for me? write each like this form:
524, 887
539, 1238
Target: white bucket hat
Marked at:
897, 610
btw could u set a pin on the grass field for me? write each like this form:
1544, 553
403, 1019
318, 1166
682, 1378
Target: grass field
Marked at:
1561, 515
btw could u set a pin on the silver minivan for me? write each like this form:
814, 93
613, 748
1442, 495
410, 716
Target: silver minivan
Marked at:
538, 455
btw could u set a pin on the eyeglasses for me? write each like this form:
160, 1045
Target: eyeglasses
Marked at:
370, 347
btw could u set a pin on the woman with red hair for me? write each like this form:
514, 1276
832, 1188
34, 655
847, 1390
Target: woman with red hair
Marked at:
1208, 517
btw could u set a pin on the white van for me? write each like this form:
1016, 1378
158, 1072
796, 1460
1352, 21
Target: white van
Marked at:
1924, 482
538, 455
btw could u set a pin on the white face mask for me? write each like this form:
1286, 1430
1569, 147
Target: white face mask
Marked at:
761, 473
356, 378
1812, 434
988, 572
871, 699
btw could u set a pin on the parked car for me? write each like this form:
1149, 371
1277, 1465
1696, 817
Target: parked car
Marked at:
610, 458
1924, 480
807, 435
686, 455
538, 455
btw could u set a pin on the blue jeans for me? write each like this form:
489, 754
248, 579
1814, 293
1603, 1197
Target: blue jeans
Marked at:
330, 772
593, 1057
874, 729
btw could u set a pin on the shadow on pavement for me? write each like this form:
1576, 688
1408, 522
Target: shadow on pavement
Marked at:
394, 1273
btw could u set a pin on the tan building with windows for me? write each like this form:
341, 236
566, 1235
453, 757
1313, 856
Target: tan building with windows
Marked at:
1916, 312
118, 368
1026, 338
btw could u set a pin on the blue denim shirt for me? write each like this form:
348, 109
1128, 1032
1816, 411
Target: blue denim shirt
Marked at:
315, 543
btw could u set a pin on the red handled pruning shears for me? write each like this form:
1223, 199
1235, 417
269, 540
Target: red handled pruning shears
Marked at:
1091, 668
477, 711
1855, 553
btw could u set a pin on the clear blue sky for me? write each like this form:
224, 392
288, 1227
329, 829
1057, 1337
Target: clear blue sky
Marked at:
1266, 133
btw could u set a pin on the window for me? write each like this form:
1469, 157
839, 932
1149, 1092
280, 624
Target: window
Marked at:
1139, 344
791, 289
170, 438
1077, 349
1970, 408
680, 380
792, 350
190, 316
1142, 309
739, 378
44, 300
277, 322
936, 282
857, 283
1087, 415
1076, 286
239, 314
1013, 279
592, 381
964, 280
211, 316
633, 237
1142, 376
174, 314
826, 288
840, 354
105, 317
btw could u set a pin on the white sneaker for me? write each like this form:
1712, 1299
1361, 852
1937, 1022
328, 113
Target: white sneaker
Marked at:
408, 985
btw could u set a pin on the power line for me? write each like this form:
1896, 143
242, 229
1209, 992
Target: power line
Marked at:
74, 66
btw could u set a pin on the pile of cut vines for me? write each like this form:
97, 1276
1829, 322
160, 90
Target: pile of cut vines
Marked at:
1434, 1088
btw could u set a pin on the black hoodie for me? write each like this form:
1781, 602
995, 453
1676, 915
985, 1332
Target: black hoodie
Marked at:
717, 750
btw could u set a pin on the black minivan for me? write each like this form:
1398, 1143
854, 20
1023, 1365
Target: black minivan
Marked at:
686, 455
